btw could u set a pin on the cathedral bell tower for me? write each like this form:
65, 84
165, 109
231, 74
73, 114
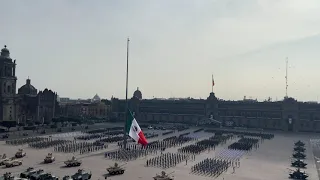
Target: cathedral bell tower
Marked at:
8, 82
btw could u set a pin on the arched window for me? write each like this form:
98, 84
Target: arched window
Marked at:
9, 89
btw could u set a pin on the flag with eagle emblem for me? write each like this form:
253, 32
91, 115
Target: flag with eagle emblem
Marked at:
134, 131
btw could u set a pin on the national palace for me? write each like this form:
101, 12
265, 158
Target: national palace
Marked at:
285, 115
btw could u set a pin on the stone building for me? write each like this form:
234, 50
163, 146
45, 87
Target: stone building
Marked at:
28, 106
285, 115
93, 108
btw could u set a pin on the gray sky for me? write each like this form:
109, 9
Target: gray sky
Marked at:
78, 47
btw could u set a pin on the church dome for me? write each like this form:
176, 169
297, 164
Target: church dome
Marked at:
137, 94
27, 89
5, 53
96, 98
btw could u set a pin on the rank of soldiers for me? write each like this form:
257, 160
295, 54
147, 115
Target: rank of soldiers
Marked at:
245, 144
167, 160
211, 167
17, 142
243, 133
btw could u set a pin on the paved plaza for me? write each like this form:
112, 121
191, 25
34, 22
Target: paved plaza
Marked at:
270, 161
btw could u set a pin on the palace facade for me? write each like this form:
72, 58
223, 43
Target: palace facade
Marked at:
28, 106
285, 115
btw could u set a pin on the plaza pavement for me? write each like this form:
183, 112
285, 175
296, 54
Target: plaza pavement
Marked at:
270, 161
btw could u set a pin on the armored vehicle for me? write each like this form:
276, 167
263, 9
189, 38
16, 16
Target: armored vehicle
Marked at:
73, 162
297, 174
116, 169
299, 155
28, 173
41, 175
81, 175
299, 143
3, 159
7, 176
298, 163
163, 176
49, 158
20, 153
299, 149
12, 163
67, 178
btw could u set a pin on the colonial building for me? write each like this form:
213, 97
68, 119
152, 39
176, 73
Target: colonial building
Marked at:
28, 106
285, 115
93, 108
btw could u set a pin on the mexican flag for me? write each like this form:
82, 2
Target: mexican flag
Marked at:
134, 131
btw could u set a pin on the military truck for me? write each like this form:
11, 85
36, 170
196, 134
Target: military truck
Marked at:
81, 175
73, 162
49, 158
20, 153
163, 176
116, 169
9, 176
14, 162
28, 173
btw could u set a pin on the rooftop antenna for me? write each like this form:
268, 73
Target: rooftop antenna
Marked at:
286, 78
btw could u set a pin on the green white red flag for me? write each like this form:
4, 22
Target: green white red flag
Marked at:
133, 129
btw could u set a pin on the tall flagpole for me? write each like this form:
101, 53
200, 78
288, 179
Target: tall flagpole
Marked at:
127, 106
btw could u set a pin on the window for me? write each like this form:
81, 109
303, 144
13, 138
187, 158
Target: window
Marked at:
9, 89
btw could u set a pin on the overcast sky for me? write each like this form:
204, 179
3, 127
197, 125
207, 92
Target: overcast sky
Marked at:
78, 47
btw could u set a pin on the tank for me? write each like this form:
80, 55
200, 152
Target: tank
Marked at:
28, 173
116, 169
299, 155
14, 162
20, 153
299, 143
73, 162
81, 175
299, 149
297, 174
298, 163
49, 158
164, 176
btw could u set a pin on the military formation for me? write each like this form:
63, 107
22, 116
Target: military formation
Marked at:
211, 167
297, 161
127, 154
245, 144
167, 160
81, 147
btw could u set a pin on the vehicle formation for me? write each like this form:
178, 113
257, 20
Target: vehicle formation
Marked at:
73, 162
299, 154
116, 169
49, 158
42, 175
163, 176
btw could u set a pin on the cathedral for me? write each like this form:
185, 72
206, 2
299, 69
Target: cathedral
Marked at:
28, 106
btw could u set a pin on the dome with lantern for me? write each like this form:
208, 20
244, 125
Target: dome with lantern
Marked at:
96, 98
137, 94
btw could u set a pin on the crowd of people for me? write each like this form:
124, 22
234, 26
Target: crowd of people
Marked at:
82, 147
46, 143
